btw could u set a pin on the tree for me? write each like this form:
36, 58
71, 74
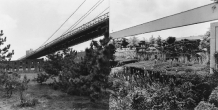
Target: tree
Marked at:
5, 55
152, 40
59, 61
205, 43
133, 42
124, 43
87, 77
117, 43
53, 65
171, 40
159, 41
97, 65
8, 81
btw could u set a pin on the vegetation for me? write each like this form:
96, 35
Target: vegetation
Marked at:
42, 77
154, 90
6, 81
12, 82
133, 42
151, 40
167, 86
159, 85
124, 43
88, 77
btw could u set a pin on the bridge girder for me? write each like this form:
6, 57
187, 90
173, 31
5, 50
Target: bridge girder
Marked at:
194, 16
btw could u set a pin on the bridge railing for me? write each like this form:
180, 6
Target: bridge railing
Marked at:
91, 23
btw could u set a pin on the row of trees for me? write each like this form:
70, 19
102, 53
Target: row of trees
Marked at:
134, 42
170, 47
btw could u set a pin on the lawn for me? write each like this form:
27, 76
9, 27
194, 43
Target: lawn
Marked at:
50, 99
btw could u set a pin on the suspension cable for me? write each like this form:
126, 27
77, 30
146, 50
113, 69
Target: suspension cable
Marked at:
84, 16
64, 22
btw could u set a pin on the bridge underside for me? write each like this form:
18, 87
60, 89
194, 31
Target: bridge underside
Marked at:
197, 15
80, 37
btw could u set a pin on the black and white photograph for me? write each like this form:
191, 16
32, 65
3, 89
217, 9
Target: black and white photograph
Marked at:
108, 55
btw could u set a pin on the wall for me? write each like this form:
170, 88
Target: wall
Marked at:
23, 66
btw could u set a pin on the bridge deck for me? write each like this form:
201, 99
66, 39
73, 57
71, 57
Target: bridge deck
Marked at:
88, 31
194, 16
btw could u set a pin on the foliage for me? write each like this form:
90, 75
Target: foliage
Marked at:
89, 76
184, 48
42, 77
205, 106
25, 102
13, 82
205, 43
96, 65
53, 64
216, 57
116, 43
5, 55
159, 41
22, 88
213, 99
61, 64
151, 40
29, 103
149, 91
133, 42
9, 82
124, 42
171, 40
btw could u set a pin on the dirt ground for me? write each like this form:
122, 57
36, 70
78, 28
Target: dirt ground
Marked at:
50, 99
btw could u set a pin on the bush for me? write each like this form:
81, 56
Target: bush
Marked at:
9, 82
42, 77
29, 103
214, 97
189, 70
205, 106
183, 91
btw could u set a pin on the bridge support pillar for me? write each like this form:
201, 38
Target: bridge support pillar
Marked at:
213, 45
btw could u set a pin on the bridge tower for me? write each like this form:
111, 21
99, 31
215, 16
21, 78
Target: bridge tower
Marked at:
213, 45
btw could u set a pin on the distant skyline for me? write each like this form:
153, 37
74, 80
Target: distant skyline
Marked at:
27, 24
128, 13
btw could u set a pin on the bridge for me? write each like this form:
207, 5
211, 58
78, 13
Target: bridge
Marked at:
198, 15
93, 29
100, 25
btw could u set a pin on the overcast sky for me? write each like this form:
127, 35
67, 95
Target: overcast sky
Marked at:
28, 23
128, 13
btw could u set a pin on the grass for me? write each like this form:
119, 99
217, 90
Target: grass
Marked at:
171, 68
50, 99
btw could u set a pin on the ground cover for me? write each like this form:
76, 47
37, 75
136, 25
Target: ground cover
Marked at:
173, 68
50, 99
137, 91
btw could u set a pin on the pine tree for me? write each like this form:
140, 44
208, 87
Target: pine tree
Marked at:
97, 65
5, 55
152, 40
159, 41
